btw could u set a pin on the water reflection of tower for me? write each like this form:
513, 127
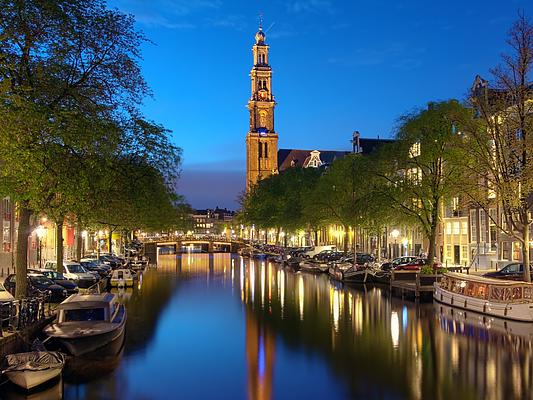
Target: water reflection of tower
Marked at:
260, 354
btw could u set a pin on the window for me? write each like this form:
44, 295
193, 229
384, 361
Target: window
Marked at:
448, 228
456, 229
266, 150
464, 252
473, 226
414, 151
448, 251
260, 150
464, 228
89, 314
482, 226
492, 229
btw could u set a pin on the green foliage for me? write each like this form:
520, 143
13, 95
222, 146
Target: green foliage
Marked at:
278, 201
72, 140
419, 171
427, 270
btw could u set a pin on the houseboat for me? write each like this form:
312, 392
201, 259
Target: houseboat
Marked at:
504, 299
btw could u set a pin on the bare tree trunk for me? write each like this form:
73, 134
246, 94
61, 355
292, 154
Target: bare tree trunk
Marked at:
346, 237
79, 242
110, 241
525, 253
59, 244
21, 270
378, 250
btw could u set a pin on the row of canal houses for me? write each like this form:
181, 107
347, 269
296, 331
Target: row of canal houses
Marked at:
42, 241
466, 235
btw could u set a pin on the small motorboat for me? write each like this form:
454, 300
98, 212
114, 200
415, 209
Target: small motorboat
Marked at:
29, 370
87, 322
313, 266
293, 263
121, 278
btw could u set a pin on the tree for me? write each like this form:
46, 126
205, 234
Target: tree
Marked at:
421, 169
342, 195
499, 142
278, 201
67, 68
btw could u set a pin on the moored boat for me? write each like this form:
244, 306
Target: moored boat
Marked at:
121, 278
86, 323
313, 266
505, 299
29, 370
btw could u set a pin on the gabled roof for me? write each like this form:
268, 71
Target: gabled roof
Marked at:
297, 158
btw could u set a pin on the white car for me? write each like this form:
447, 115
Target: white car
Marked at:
5, 296
318, 249
74, 271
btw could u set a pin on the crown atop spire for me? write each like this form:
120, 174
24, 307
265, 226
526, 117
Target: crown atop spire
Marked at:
260, 35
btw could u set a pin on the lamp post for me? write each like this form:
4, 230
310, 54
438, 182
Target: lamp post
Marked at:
40, 231
405, 243
84, 236
394, 234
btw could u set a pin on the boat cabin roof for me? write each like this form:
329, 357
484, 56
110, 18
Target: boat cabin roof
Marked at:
481, 279
78, 301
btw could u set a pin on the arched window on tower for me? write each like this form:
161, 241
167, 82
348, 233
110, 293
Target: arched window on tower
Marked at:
260, 150
266, 150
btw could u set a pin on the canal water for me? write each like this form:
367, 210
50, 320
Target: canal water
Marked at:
222, 327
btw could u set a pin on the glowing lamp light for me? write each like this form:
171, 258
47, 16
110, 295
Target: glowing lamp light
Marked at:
84, 234
405, 242
395, 233
40, 231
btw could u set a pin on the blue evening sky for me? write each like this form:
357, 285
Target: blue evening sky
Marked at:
339, 66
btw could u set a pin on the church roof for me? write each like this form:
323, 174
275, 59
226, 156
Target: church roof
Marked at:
297, 157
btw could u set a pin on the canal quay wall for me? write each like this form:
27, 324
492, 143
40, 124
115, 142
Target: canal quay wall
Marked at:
20, 340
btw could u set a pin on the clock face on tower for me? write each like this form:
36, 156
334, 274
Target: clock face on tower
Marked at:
262, 94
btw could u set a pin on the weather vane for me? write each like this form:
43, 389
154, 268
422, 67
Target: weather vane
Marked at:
261, 20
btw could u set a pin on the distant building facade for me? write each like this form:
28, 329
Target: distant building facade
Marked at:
212, 221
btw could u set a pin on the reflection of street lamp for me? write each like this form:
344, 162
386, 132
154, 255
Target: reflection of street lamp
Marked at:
394, 234
40, 231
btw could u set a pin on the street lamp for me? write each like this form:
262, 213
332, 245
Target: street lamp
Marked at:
84, 236
40, 231
405, 243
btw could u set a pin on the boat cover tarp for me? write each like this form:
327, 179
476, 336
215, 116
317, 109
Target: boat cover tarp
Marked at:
34, 361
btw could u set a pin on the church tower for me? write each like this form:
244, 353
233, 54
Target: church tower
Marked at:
262, 139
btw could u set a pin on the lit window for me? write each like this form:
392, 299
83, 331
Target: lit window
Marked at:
414, 151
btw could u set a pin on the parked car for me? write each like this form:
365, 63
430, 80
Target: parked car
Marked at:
58, 278
93, 266
5, 296
512, 271
317, 249
397, 262
74, 271
38, 284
